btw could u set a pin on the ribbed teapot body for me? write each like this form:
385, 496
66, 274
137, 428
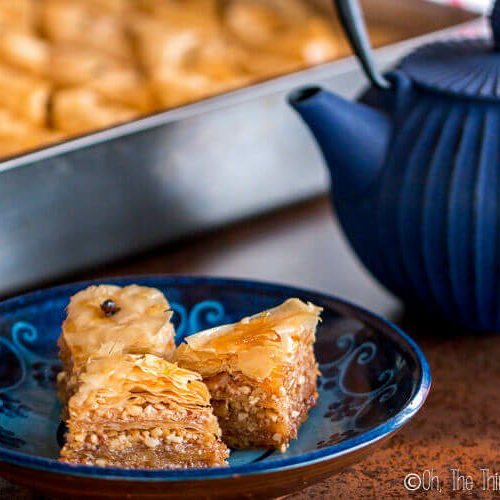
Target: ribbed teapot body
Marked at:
429, 228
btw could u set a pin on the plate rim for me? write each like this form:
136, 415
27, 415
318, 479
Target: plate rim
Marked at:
364, 440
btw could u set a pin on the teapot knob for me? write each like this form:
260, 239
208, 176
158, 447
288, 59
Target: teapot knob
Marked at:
495, 24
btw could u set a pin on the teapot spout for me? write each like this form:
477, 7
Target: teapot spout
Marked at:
352, 136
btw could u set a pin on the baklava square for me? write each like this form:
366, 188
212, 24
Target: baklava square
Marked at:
134, 319
141, 411
261, 373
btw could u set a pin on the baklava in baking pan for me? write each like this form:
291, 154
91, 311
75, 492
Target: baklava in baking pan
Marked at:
72, 66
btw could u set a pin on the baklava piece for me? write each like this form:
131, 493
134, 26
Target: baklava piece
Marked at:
261, 373
140, 411
134, 319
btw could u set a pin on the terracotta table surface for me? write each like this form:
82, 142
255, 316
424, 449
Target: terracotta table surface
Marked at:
458, 428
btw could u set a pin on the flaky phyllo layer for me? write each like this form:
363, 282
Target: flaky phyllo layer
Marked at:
258, 346
121, 381
134, 318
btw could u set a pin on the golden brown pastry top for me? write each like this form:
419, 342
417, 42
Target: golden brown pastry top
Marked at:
256, 345
134, 319
117, 379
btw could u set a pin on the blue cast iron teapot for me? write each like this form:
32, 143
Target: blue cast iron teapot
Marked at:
415, 167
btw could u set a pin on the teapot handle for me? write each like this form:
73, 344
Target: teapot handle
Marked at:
352, 20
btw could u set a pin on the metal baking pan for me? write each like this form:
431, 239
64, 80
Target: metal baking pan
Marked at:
135, 186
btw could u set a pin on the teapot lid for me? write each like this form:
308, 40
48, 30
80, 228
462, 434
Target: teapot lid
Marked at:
467, 67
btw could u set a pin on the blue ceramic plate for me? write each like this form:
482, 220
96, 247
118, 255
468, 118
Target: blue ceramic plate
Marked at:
374, 379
